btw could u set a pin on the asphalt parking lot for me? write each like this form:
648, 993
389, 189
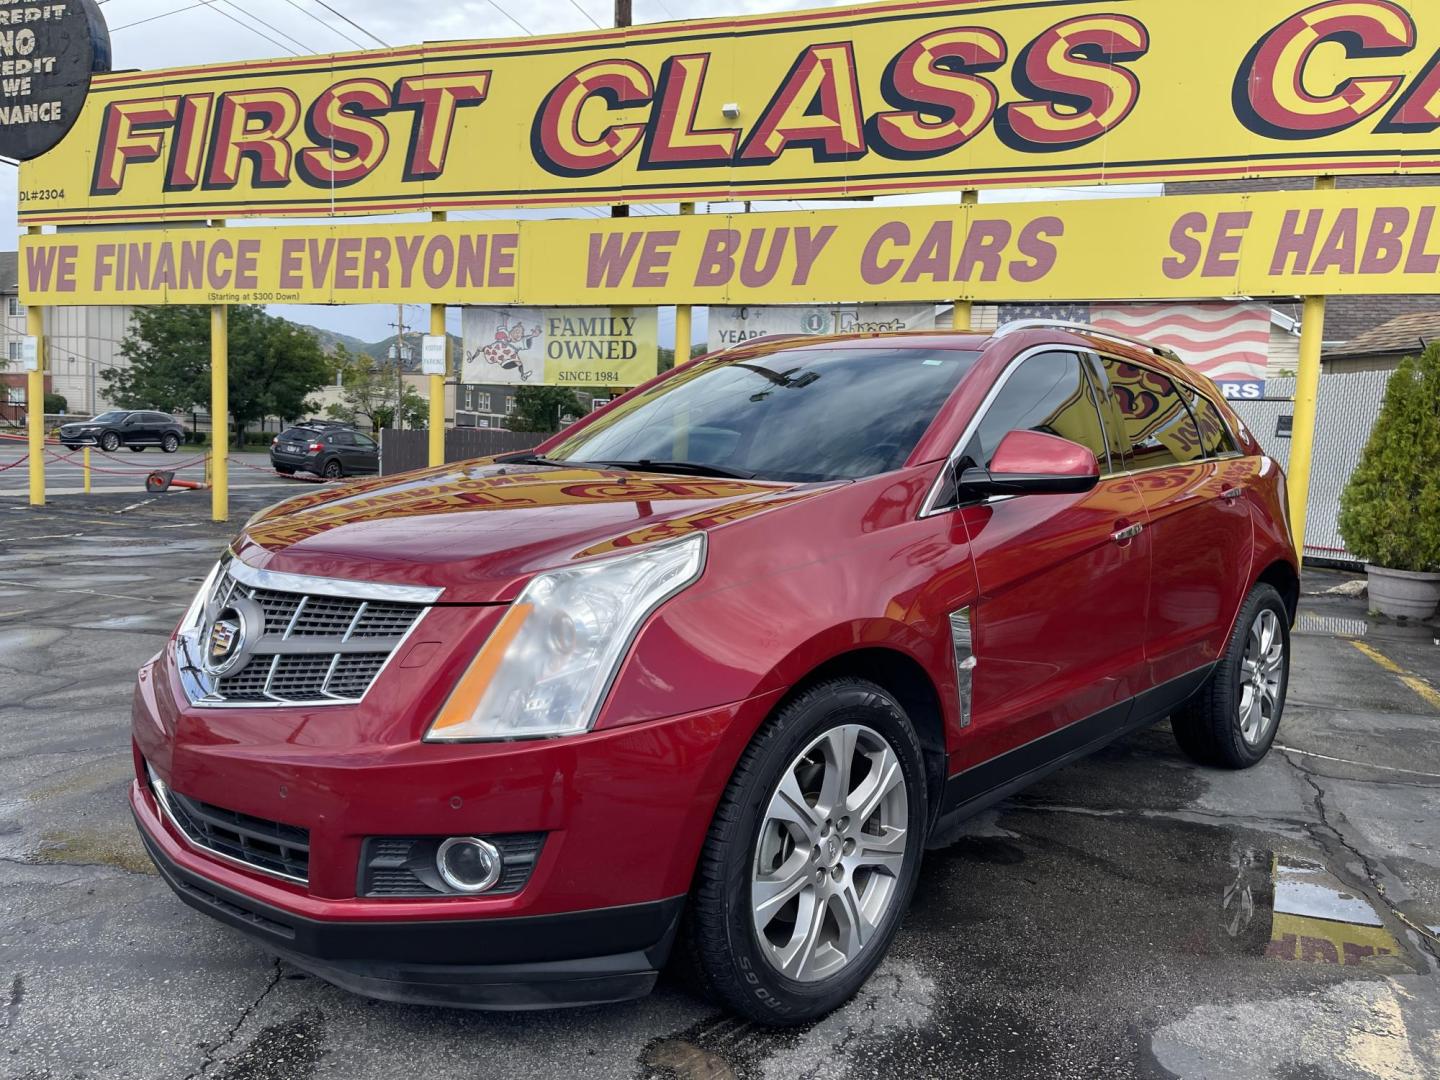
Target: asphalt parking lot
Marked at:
1131, 916
126, 470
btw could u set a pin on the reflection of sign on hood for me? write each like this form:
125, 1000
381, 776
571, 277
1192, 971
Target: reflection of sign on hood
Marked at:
47, 54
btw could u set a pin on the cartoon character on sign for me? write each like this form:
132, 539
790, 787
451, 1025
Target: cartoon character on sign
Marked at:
504, 351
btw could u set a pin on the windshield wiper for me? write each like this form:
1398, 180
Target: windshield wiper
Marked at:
534, 459
688, 468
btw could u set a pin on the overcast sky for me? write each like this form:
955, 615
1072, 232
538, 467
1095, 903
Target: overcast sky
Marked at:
171, 33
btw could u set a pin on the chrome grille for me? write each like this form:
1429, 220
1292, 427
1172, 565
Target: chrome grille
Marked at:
300, 640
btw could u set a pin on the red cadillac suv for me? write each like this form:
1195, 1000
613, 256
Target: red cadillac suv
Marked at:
703, 676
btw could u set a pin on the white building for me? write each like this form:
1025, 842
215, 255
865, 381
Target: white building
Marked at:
81, 343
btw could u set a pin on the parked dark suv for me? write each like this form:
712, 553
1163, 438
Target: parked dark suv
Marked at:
708, 671
135, 428
326, 449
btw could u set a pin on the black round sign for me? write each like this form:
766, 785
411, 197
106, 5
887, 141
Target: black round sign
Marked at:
48, 51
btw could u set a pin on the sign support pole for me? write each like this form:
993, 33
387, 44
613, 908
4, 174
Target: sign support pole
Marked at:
437, 382
220, 412
682, 313
960, 316
1307, 394
35, 400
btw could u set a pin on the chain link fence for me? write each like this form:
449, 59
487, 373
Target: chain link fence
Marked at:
1348, 406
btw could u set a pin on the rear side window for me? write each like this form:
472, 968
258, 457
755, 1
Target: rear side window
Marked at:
364, 441
1049, 393
1157, 425
341, 438
1214, 432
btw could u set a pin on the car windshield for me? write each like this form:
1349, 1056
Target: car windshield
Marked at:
112, 417
800, 414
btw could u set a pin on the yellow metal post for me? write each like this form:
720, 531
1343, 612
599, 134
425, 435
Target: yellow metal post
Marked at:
437, 382
220, 412
682, 314
87, 470
35, 400
1307, 394
961, 315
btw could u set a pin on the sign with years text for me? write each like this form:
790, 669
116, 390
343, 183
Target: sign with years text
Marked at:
589, 346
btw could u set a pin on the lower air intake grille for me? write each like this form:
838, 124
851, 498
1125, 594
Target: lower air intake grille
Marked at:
283, 850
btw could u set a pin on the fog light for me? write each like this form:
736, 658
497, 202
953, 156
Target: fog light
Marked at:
468, 864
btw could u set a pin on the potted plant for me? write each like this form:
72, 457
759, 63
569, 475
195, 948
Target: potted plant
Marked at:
1390, 511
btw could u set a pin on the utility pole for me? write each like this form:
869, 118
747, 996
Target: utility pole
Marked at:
399, 324
622, 19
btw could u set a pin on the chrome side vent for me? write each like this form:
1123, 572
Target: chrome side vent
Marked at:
962, 639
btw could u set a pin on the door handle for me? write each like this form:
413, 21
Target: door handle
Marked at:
1232, 493
1130, 532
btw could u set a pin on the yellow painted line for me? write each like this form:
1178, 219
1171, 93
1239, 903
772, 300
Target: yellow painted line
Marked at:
1414, 682
1379, 658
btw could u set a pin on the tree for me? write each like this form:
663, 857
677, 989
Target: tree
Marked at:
273, 363
1390, 510
538, 408
368, 392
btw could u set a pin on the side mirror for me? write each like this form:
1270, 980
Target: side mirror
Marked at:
1034, 463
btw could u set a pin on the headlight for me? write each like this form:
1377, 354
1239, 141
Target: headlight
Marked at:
546, 666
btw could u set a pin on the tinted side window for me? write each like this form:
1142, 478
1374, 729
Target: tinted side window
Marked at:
341, 438
1157, 424
364, 441
1048, 393
1214, 432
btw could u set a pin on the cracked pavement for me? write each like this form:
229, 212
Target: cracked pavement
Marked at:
1131, 916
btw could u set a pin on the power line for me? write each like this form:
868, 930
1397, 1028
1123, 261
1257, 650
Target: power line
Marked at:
268, 26
496, 5
334, 30
576, 5
352, 22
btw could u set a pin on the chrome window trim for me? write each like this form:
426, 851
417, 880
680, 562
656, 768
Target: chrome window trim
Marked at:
1089, 330
928, 508
323, 586
157, 787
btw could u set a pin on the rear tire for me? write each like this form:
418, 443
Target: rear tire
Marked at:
284, 470
333, 470
170, 443
1235, 717
796, 900
137, 449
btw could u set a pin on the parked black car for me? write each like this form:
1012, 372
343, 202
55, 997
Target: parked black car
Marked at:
325, 449
135, 428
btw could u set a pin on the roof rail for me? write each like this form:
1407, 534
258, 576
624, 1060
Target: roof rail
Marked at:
1085, 328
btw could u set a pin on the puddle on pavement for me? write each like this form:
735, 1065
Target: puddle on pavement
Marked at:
1318, 920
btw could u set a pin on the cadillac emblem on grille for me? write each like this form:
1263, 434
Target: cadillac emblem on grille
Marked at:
228, 638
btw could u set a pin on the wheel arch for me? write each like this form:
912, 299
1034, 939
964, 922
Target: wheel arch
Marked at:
1283, 578
905, 679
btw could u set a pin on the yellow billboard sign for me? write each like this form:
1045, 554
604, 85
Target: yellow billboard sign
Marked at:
1373, 241
917, 96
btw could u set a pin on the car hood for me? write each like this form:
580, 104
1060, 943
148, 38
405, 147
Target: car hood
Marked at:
480, 529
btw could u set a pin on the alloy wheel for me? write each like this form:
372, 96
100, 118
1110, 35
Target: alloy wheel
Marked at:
829, 855
1262, 670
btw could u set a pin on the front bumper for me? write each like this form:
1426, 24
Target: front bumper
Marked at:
545, 961
624, 811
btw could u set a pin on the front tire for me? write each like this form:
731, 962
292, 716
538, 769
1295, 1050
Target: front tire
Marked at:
811, 857
109, 442
1234, 719
137, 449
